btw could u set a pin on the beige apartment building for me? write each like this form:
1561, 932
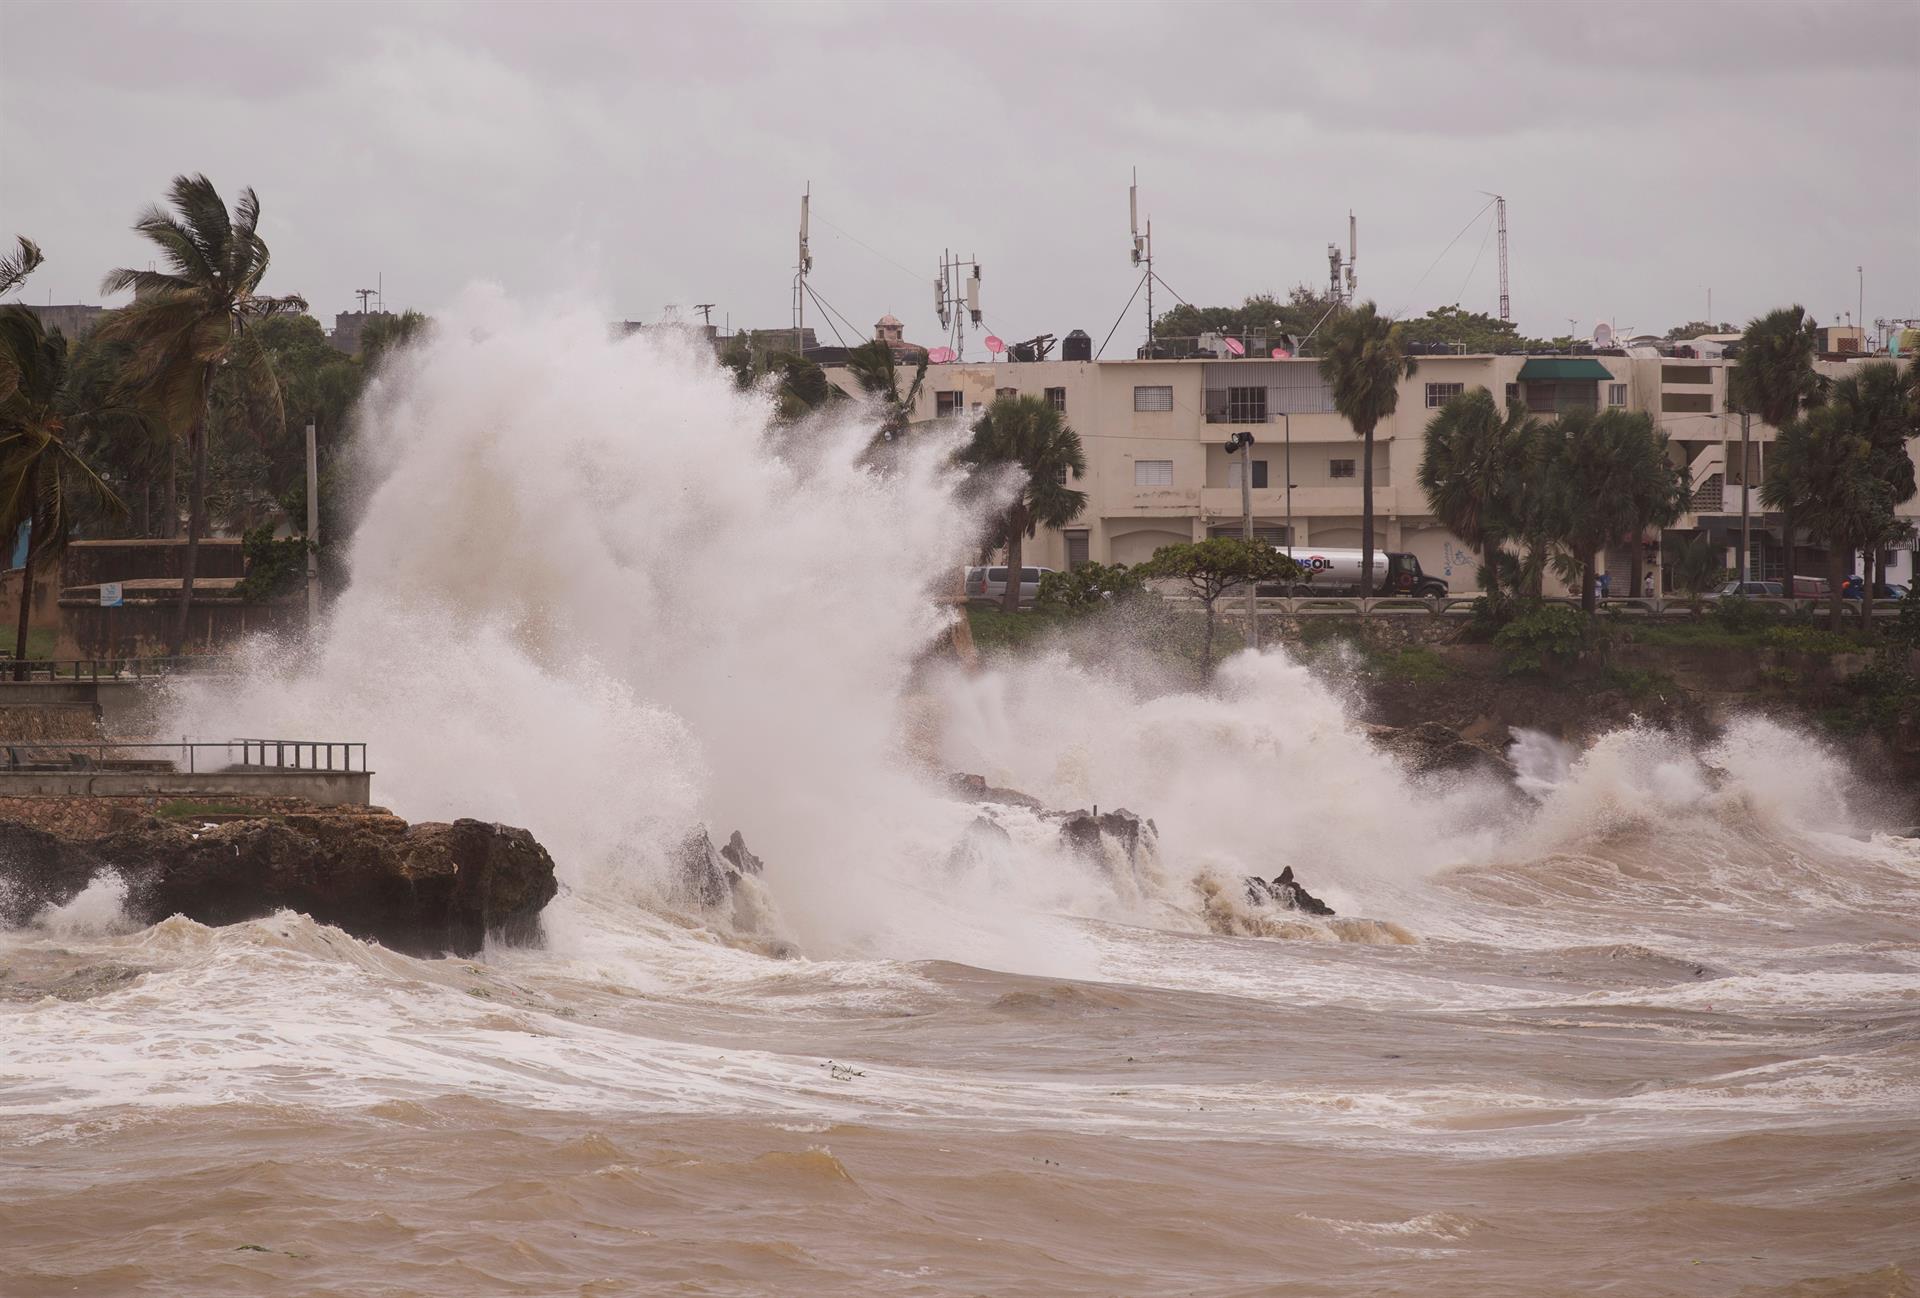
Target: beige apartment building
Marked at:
1158, 473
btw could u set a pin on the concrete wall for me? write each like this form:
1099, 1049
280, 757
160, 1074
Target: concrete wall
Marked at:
323, 788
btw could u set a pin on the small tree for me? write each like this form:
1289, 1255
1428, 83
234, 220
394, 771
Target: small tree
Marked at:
1774, 380
1089, 587
1697, 569
1213, 566
1028, 434
1472, 471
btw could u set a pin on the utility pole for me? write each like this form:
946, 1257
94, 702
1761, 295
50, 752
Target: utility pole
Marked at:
1243, 441
313, 526
804, 265
1746, 495
1286, 422
1860, 317
1500, 210
706, 311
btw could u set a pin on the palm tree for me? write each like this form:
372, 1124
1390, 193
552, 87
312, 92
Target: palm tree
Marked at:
1656, 495
1471, 470
1364, 363
878, 374
1697, 569
1822, 467
1882, 406
1774, 380
1028, 436
17, 266
1596, 474
40, 469
189, 321
387, 334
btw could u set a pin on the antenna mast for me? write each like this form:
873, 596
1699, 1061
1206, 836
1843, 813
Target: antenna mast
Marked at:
801, 267
1142, 249
1353, 254
363, 294
1500, 212
956, 299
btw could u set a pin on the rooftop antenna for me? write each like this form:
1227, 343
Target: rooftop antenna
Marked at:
363, 294
956, 298
1353, 254
1142, 249
380, 290
1500, 220
706, 311
801, 267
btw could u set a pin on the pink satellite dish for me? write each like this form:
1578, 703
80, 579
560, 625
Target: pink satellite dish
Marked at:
994, 345
1235, 347
940, 356
1281, 353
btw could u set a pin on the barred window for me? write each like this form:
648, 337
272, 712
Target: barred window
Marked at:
1616, 394
1438, 394
1057, 398
1247, 405
1153, 398
1153, 473
1340, 468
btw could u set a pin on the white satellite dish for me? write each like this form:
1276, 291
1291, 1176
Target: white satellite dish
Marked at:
1603, 334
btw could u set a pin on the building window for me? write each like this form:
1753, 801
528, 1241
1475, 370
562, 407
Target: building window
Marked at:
1438, 394
1513, 395
1340, 468
1247, 405
1616, 394
1060, 475
1006, 392
1153, 473
1057, 398
949, 403
1153, 398
1686, 403
1078, 552
1259, 474
1686, 374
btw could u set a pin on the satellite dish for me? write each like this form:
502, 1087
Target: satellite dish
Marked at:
1603, 334
1281, 354
994, 345
940, 355
1235, 347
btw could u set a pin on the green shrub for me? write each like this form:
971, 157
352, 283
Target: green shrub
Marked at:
1738, 614
1779, 677
1543, 635
1417, 665
1810, 640
1639, 682
1905, 630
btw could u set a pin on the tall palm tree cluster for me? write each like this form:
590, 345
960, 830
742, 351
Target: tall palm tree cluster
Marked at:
1527, 492
189, 374
1560, 491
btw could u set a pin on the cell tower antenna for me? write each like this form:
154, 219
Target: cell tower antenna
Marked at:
801, 267
1500, 215
363, 294
1353, 254
956, 298
1142, 251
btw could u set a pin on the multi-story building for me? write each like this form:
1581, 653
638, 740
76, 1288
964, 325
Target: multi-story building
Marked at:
1158, 472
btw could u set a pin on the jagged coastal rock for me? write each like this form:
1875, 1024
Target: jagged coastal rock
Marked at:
1284, 891
1429, 747
425, 889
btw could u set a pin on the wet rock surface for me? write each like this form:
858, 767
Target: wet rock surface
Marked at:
1429, 747
1284, 891
424, 889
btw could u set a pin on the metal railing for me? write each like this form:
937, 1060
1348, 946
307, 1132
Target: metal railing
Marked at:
1675, 607
93, 670
191, 756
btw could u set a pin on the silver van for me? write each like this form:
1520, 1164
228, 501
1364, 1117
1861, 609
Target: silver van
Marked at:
991, 583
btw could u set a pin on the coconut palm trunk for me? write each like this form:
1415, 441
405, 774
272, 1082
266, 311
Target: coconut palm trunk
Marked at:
1636, 567
1366, 513
1016, 543
1787, 547
34, 539
196, 517
1490, 569
1836, 575
1589, 575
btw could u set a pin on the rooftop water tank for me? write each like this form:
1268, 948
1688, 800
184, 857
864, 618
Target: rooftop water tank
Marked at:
1076, 346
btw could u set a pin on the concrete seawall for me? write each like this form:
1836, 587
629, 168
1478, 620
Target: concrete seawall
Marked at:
321, 788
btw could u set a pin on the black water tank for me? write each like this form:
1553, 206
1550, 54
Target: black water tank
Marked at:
1076, 346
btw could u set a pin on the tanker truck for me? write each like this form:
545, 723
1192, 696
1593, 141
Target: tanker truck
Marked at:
1337, 572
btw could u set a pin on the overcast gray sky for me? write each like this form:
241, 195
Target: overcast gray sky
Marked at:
654, 154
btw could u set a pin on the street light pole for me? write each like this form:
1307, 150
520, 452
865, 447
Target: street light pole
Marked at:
1286, 422
1746, 496
1246, 519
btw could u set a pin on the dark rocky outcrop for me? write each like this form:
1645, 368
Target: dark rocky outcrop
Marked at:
1083, 832
1284, 891
422, 889
709, 874
982, 842
974, 788
1429, 747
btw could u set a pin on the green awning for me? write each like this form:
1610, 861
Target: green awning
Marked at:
1543, 367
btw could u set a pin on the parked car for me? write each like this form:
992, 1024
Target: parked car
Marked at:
1750, 589
1881, 590
1811, 587
991, 583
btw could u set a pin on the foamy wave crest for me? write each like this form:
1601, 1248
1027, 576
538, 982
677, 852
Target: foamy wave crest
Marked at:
97, 910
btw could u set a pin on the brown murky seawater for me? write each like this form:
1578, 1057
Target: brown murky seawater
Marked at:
1648, 1068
